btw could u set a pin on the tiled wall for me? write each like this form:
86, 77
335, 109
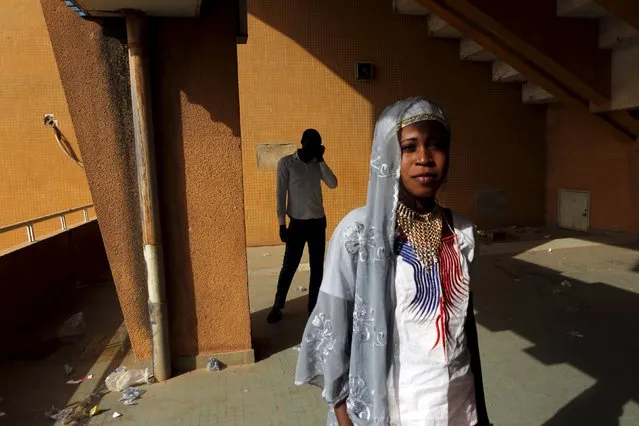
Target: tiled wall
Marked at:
36, 177
298, 71
583, 156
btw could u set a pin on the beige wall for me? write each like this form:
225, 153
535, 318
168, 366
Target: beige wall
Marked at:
199, 169
36, 177
297, 71
582, 155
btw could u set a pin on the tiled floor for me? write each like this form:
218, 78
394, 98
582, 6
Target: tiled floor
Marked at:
557, 332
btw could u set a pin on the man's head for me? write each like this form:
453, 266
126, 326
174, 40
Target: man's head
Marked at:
311, 139
425, 149
311, 145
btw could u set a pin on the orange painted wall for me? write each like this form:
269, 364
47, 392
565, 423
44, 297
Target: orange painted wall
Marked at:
298, 70
196, 125
36, 177
582, 155
197, 128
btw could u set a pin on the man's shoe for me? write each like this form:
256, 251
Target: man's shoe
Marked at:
274, 316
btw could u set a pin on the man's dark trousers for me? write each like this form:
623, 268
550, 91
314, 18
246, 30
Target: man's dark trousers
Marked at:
301, 232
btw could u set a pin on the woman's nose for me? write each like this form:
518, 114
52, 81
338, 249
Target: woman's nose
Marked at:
424, 156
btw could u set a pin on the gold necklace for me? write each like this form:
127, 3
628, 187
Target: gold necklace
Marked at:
423, 231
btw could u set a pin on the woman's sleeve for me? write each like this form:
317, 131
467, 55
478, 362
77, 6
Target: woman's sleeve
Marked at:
470, 251
326, 343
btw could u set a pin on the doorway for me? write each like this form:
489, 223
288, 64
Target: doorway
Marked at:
574, 209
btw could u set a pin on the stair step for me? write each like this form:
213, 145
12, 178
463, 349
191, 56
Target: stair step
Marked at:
531, 93
614, 32
437, 27
409, 7
504, 73
469, 50
580, 9
625, 77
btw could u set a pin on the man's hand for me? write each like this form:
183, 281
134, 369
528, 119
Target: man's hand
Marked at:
320, 153
283, 233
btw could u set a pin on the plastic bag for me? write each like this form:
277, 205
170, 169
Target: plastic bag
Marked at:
129, 395
56, 414
119, 380
74, 326
213, 365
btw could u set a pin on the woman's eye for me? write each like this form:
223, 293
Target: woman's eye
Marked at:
409, 147
435, 144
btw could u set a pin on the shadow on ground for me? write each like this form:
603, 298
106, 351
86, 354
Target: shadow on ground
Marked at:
269, 339
590, 326
34, 381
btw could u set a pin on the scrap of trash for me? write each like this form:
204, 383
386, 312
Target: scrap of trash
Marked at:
78, 381
73, 327
213, 364
511, 233
77, 412
122, 379
130, 395
301, 289
577, 334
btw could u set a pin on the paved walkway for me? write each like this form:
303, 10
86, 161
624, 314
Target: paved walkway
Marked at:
557, 332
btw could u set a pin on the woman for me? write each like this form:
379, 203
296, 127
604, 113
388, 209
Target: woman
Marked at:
392, 340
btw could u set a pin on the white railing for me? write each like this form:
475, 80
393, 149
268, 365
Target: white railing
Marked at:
28, 224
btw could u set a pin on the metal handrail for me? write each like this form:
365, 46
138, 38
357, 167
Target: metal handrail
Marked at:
63, 221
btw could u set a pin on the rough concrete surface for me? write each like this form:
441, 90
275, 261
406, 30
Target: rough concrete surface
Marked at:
197, 135
93, 65
557, 334
197, 128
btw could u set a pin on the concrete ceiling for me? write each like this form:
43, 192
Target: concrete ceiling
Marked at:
174, 8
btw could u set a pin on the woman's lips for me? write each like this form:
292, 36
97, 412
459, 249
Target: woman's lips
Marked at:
426, 178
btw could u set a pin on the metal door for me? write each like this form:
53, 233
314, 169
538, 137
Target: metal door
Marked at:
574, 209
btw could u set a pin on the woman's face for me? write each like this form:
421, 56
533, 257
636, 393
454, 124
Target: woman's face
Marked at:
424, 163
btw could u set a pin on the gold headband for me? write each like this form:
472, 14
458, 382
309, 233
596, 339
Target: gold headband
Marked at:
422, 117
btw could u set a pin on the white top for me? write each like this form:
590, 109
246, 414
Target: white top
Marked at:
302, 183
430, 382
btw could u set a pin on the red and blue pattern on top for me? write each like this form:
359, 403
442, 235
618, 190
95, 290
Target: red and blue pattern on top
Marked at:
441, 289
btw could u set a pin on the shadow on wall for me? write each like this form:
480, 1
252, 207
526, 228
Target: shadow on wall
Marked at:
590, 326
196, 101
408, 63
38, 281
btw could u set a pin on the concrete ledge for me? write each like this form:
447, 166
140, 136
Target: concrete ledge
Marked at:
189, 363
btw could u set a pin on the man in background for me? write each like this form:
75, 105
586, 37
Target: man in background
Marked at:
298, 182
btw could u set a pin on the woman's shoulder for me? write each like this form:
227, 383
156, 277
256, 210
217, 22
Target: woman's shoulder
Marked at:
461, 223
355, 218
465, 232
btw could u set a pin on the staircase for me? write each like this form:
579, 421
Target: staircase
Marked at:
572, 51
